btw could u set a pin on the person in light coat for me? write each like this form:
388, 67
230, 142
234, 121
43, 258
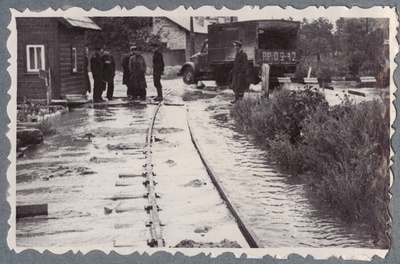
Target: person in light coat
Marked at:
137, 69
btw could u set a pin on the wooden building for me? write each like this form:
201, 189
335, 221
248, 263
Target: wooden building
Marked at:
54, 45
175, 32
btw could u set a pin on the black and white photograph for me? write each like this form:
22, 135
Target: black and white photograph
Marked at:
263, 131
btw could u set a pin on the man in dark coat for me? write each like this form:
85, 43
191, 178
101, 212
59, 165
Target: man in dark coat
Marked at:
86, 70
126, 74
158, 69
137, 69
96, 66
239, 72
108, 72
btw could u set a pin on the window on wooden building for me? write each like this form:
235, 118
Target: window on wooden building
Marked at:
74, 60
35, 58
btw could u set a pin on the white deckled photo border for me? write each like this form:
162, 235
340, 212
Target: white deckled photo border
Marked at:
247, 12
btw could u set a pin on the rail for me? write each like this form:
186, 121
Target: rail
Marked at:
248, 233
152, 208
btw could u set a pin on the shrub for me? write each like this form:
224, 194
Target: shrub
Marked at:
342, 152
287, 155
347, 149
242, 112
281, 115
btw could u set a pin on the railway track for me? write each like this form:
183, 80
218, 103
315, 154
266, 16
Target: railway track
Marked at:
248, 233
154, 224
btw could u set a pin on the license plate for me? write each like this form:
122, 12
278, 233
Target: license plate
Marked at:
279, 56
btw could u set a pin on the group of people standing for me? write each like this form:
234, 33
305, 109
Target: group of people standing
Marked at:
134, 66
102, 65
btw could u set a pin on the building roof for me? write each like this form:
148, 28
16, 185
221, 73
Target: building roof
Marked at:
185, 23
79, 22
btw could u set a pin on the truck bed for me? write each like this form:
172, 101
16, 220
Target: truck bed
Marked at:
255, 35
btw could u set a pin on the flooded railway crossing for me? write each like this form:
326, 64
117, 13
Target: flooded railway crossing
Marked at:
79, 172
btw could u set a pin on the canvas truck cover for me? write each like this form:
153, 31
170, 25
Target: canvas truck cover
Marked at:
270, 41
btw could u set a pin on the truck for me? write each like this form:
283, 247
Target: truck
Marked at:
265, 41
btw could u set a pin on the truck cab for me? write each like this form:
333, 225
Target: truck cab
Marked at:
265, 41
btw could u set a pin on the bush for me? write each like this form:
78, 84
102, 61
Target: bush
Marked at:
281, 115
347, 149
287, 155
242, 112
342, 152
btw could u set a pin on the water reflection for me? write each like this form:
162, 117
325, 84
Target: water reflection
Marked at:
282, 211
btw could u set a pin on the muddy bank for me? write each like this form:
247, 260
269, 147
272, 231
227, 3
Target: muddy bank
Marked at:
187, 243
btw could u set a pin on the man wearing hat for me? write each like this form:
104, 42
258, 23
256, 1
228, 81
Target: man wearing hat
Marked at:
96, 66
126, 74
137, 69
239, 71
108, 72
158, 69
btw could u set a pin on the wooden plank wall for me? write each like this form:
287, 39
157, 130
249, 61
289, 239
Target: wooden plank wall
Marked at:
58, 41
33, 31
71, 83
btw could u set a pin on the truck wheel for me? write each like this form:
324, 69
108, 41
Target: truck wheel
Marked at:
221, 81
229, 80
188, 76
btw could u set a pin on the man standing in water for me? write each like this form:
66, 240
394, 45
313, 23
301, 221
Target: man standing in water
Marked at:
86, 70
109, 72
158, 69
239, 72
126, 74
96, 66
137, 69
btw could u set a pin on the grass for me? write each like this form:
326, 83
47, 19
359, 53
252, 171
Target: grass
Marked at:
342, 152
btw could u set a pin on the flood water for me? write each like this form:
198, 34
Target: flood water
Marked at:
281, 211
71, 170
76, 171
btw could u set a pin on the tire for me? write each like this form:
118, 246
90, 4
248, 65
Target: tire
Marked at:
229, 80
221, 81
188, 76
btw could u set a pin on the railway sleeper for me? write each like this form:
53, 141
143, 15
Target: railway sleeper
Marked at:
146, 195
147, 182
145, 174
122, 209
154, 243
124, 183
150, 223
148, 208
126, 196
132, 175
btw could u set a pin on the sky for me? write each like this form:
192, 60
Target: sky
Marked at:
245, 13
331, 13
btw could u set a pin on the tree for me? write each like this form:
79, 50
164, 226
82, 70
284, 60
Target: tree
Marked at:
316, 38
361, 40
120, 33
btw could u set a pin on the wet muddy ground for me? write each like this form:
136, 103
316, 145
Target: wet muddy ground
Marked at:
75, 172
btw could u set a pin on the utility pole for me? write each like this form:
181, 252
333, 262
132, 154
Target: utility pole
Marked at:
191, 37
